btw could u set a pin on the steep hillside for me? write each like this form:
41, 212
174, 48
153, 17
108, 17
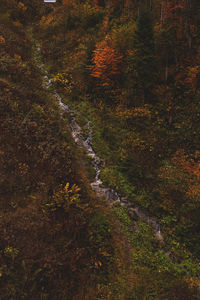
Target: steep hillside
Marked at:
55, 239
137, 66
132, 69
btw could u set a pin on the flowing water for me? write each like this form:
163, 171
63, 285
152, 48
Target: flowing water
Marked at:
97, 185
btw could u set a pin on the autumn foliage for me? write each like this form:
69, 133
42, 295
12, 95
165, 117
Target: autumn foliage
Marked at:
130, 69
180, 184
106, 64
171, 9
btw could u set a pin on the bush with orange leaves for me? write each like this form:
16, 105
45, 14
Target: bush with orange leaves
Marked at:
106, 64
180, 184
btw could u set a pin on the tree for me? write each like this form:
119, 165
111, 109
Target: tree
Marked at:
141, 69
179, 196
106, 64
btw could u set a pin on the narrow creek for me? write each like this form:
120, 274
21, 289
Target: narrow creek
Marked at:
97, 185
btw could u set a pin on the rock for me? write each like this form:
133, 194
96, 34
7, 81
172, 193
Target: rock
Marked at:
115, 202
123, 204
159, 237
124, 199
133, 214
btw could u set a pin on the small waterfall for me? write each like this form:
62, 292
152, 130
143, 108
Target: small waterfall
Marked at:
97, 185
158, 228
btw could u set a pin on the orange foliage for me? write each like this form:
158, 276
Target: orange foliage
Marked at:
96, 4
194, 187
2, 39
170, 8
192, 76
65, 2
17, 24
106, 63
22, 6
136, 112
186, 170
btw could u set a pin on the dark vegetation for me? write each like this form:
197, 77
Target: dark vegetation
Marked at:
132, 67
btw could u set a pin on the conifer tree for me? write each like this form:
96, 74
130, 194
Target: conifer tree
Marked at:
142, 73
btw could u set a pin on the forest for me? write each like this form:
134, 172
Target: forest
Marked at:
128, 75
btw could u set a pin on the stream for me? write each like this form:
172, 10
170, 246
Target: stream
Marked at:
97, 185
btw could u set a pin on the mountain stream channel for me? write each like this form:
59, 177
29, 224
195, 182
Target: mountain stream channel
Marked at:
97, 185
